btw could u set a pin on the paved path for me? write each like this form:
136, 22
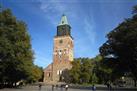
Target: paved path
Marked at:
49, 88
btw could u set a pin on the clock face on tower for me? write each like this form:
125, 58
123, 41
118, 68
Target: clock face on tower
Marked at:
60, 41
60, 52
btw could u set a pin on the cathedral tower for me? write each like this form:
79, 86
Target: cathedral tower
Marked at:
63, 49
62, 53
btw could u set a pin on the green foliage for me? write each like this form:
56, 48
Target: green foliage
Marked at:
135, 9
81, 71
16, 55
75, 71
34, 74
94, 78
85, 77
102, 72
89, 71
122, 44
66, 76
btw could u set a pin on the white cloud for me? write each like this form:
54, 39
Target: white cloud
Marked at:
53, 9
89, 30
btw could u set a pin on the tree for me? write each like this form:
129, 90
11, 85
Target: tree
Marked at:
35, 74
100, 71
16, 55
86, 70
66, 76
120, 50
135, 9
75, 71
81, 71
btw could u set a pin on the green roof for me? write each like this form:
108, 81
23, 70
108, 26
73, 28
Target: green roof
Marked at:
64, 20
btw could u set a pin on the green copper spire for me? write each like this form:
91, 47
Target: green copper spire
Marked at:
63, 28
64, 20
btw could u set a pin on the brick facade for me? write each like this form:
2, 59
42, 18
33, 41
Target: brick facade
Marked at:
62, 54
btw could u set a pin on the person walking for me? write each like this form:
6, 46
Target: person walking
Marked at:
93, 87
52, 87
40, 86
109, 86
66, 87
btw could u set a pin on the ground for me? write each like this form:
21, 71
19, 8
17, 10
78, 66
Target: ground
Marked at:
49, 88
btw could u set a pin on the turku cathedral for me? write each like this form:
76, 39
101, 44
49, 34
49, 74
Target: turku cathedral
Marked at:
62, 52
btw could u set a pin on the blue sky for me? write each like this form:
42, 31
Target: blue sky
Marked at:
90, 20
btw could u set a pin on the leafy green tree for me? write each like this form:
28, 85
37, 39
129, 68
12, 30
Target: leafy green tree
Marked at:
120, 50
16, 55
75, 71
66, 76
94, 78
85, 77
100, 73
135, 9
35, 74
86, 70
81, 70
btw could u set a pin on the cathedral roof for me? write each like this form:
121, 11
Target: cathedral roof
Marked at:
49, 67
64, 20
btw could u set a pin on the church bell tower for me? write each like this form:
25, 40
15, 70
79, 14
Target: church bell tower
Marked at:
63, 49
